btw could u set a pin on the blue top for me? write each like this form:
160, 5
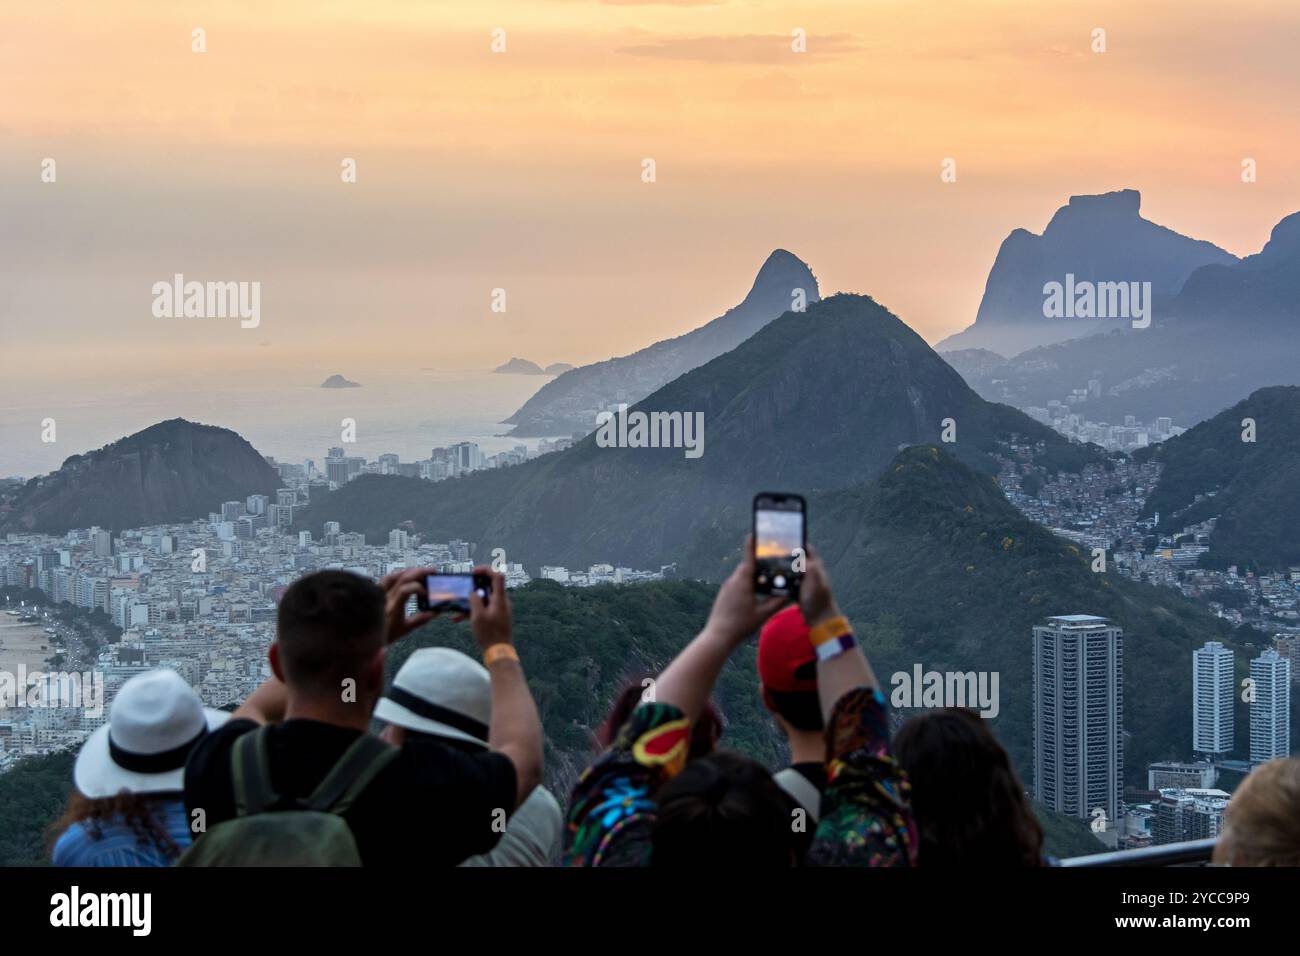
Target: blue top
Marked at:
118, 845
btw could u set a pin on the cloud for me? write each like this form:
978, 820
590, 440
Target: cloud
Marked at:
745, 48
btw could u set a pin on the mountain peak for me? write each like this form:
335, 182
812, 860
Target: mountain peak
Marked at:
927, 479
1284, 242
567, 404
1128, 201
782, 258
781, 272
1101, 209
1095, 238
169, 472
159, 432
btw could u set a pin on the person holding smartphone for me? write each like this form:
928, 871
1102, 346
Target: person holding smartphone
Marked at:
423, 802
642, 804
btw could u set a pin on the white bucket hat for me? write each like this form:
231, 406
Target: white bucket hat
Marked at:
153, 724
442, 692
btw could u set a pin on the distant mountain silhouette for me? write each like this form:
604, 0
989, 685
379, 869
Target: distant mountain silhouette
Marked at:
558, 368
1253, 488
1259, 291
170, 472
1094, 238
1230, 330
813, 400
518, 366
570, 403
974, 363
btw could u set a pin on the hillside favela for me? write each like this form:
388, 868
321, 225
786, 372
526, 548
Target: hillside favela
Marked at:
691, 435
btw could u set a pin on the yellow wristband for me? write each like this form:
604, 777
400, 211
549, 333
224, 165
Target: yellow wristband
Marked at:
498, 652
829, 630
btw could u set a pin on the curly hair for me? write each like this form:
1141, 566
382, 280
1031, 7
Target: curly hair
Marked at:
139, 811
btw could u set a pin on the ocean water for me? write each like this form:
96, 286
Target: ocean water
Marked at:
285, 415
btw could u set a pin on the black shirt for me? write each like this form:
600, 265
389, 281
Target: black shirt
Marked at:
812, 771
433, 805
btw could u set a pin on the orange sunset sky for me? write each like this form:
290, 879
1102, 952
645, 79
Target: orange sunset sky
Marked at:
521, 170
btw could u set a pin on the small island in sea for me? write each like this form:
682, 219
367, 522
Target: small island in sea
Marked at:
338, 381
518, 366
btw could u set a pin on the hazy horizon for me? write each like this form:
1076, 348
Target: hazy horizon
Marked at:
522, 170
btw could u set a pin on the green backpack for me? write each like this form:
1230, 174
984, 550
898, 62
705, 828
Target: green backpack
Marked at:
310, 832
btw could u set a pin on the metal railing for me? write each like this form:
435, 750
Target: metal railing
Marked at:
1190, 853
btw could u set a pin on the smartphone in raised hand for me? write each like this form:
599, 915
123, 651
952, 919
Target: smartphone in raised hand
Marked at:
450, 592
780, 542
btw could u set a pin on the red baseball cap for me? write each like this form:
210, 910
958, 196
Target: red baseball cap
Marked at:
786, 659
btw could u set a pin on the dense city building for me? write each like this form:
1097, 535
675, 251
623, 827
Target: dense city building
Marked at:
1270, 708
1188, 814
1078, 688
1172, 774
1212, 699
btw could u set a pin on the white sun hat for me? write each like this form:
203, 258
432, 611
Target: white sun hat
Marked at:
153, 724
442, 692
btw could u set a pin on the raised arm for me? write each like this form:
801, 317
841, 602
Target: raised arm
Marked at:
841, 664
613, 810
687, 682
266, 704
516, 728
866, 816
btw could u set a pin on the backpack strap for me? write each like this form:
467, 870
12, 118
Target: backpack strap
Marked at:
359, 765
250, 772
802, 790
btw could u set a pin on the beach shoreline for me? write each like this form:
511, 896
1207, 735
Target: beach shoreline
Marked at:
24, 644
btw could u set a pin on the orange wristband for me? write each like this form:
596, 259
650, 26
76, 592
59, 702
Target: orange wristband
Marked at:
497, 652
829, 630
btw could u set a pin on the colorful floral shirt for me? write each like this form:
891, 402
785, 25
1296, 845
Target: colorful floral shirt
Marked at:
866, 819
612, 813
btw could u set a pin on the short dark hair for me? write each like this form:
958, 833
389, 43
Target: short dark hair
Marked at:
723, 809
328, 626
801, 709
970, 807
